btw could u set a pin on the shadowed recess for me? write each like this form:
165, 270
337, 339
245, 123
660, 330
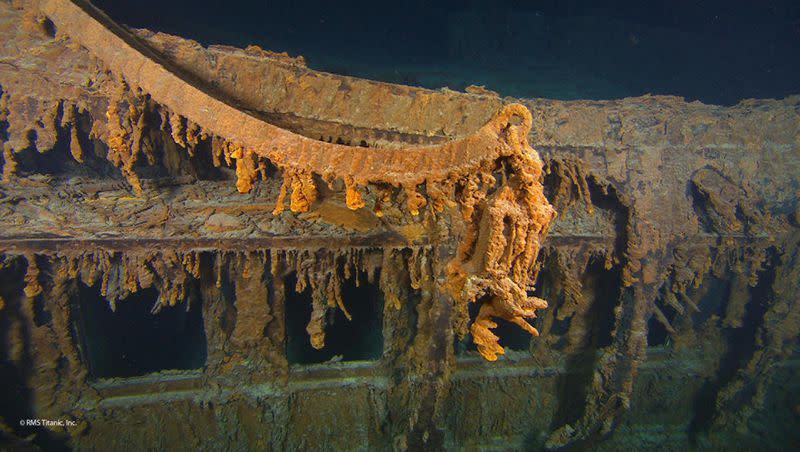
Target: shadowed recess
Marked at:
360, 339
132, 341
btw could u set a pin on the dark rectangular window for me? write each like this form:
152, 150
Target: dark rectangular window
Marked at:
132, 341
359, 339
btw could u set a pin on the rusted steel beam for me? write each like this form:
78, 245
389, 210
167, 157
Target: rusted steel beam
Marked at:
57, 245
48, 245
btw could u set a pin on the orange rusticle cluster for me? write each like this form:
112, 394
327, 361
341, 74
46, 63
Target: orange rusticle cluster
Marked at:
495, 262
122, 274
324, 272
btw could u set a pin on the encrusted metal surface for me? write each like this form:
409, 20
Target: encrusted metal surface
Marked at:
670, 272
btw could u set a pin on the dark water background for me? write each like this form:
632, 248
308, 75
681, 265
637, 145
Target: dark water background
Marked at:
715, 51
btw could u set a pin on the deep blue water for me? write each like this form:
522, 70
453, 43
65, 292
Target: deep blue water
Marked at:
710, 50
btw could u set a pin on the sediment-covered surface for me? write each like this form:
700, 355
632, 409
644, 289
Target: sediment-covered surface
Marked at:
351, 259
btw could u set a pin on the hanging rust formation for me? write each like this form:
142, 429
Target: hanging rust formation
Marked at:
145, 170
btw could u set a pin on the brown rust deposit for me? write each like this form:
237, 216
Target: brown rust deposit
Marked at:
351, 253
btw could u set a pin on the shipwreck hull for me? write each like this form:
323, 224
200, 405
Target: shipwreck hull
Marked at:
671, 270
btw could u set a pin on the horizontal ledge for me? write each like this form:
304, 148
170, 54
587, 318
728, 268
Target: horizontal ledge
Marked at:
696, 240
165, 381
19, 245
124, 393
59, 244
301, 376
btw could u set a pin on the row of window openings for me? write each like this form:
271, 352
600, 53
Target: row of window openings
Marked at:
133, 342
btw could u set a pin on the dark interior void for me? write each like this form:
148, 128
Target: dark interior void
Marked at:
711, 298
132, 341
657, 333
716, 51
741, 344
358, 340
603, 294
